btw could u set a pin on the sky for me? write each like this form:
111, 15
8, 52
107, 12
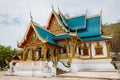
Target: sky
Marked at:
15, 14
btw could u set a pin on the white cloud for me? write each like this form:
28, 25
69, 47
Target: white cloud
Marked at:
14, 14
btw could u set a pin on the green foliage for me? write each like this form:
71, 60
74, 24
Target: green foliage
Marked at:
6, 54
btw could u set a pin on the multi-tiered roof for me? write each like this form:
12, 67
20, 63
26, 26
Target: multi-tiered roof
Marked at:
83, 27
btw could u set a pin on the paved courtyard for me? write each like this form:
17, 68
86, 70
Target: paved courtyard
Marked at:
68, 76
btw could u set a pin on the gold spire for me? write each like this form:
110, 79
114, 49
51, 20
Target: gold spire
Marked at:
86, 11
31, 16
17, 43
52, 7
58, 8
101, 12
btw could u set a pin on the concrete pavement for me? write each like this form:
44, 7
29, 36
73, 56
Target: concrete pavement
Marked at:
83, 75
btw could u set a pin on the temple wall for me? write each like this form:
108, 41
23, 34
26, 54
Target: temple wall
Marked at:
92, 64
93, 44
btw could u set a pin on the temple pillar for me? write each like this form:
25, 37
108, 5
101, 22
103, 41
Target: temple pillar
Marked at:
52, 53
30, 54
108, 48
24, 54
90, 50
44, 51
33, 55
73, 50
74, 42
67, 48
57, 54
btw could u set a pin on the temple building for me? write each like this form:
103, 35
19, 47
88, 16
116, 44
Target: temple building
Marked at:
75, 41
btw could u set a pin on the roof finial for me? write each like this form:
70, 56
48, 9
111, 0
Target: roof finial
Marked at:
86, 11
101, 12
58, 8
31, 16
17, 43
52, 7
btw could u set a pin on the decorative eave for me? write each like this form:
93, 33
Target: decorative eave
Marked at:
62, 18
52, 13
31, 25
108, 37
19, 44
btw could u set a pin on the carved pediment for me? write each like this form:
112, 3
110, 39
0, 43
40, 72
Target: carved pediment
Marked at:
54, 25
33, 39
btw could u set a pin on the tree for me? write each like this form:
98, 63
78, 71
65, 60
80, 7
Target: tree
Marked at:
116, 40
6, 54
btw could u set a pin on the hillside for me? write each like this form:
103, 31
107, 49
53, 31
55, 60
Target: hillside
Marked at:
113, 30
110, 29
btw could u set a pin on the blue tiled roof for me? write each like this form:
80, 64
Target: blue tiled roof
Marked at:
63, 36
92, 28
76, 23
60, 20
45, 34
94, 38
88, 28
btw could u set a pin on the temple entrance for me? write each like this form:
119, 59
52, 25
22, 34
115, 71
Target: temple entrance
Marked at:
38, 54
48, 54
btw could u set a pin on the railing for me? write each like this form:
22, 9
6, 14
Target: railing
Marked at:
65, 64
63, 67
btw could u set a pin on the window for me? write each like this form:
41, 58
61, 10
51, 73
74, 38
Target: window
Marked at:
98, 49
85, 50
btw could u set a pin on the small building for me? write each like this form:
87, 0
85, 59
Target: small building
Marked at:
16, 58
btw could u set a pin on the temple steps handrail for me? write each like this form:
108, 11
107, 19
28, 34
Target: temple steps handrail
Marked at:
68, 66
62, 66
